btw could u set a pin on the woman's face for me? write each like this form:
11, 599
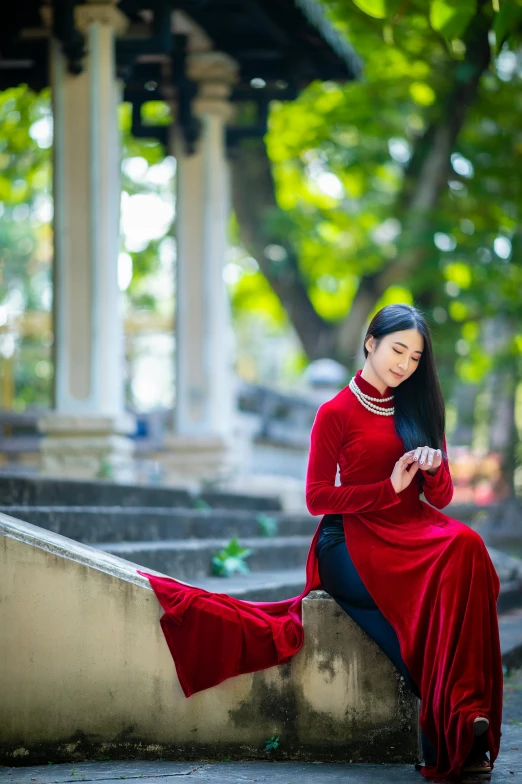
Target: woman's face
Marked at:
397, 356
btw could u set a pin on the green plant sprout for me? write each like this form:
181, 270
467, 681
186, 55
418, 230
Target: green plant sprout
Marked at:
231, 560
272, 743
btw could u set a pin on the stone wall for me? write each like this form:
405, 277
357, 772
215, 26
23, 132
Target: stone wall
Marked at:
86, 672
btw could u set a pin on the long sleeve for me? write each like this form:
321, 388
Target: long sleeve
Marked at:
322, 495
438, 488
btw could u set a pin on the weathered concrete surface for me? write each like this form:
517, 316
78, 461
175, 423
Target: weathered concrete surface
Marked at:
86, 673
508, 768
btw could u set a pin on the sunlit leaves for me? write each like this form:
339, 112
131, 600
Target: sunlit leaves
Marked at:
150, 149
517, 344
458, 310
422, 93
451, 17
392, 296
23, 160
382, 9
354, 182
474, 368
460, 273
470, 331
332, 297
251, 293
507, 20
375, 8
156, 113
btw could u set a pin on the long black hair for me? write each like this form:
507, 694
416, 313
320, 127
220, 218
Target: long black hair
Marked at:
420, 413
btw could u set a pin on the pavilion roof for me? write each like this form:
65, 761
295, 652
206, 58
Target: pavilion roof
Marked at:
280, 41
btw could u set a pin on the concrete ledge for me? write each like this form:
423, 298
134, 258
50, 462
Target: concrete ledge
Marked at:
86, 672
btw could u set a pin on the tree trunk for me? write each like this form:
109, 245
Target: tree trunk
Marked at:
503, 434
464, 398
253, 197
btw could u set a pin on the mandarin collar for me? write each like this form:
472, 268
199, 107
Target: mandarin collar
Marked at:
368, 388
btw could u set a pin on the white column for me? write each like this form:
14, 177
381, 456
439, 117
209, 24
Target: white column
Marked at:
86, 435
202, 443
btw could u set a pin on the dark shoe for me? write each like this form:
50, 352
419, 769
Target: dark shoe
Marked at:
480, 726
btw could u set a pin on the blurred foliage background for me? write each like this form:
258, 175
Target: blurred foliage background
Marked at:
402, 187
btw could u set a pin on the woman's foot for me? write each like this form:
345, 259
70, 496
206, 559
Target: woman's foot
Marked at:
476, 763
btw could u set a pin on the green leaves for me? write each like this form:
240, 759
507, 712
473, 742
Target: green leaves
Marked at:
371, 135
231, 560
451, 17
272, 743
200, 503
268, 525
507, 21
105, 470
382, 9
375, 8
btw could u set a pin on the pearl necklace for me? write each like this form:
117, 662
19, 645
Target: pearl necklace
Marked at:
369, 402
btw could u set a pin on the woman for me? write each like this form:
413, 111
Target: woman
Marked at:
419, 583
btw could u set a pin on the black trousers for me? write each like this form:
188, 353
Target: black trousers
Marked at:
340, 579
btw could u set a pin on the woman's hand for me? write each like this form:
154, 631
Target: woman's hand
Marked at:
429, 459
404, 471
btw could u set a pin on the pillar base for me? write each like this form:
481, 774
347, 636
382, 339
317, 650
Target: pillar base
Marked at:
192, 461
87, 446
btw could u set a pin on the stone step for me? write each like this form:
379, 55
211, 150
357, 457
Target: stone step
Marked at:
272, 586
276, 584
265, 586
190, 560
472, 514
510, 544
510, 628
509, 570
120, 524
42, 491
510, 596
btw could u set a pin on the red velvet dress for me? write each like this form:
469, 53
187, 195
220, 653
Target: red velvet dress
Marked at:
430, 575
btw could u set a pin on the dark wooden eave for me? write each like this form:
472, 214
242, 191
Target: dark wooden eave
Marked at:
272, 40
280, 46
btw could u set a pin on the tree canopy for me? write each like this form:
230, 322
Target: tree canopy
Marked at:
400, 187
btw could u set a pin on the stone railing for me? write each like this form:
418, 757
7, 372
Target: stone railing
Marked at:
282, 418
81, 644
